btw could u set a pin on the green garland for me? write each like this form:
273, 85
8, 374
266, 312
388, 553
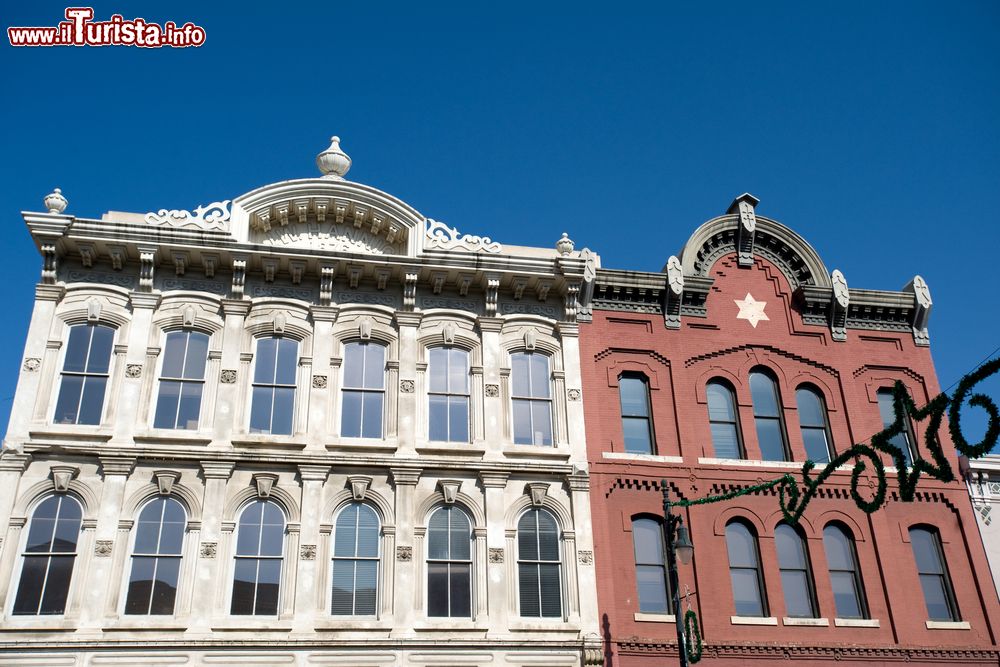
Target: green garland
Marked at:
693, 645
794, 496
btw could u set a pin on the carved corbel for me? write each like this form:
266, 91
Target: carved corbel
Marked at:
354, 274
180, 262
147, 268
359, 486
270, 266
673, 294
571, 303
264, 481
464, 282
921, 310
518, 285
117, 255
296, 268
239, 276
410, 291
208, 264
87, 254
838, 306
165, 480
746, 228
62, 475
449, 489
382, 278
50, 263
437, 281
537, 491
589, 279
326, 275
492, 293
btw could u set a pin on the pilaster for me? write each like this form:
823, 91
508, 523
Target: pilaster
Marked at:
404, 612
209, 569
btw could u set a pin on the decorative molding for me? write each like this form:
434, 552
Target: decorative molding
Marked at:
227, 376
404, 554
214, 216
496, 555
31, 364
62, 475
319, 382
264, 481
103, 548
442, 237
449, 489
133, 370
209, 549
573, 394
359, 486
307, 552
492, 390
406, 386
585, 557
537, 491
165, 480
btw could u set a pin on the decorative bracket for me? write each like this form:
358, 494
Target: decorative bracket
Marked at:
265, 482
838, 306
921, 310
165, 480
537, 491
449, 489
673, 294
61, 477
744, 206
359, 486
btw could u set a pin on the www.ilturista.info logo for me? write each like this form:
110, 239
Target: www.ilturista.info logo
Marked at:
79, 29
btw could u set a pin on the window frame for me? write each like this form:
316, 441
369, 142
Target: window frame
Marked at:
179, 556
108, 376
377, 559
806, 570
765, 607
531, 400
561, 568
203, 381
275, 385
658, 522
236, 557
910, 450
734, 404
765, 372
16, 581
824, 428
649, 429
470, 562
857, 579
448, 395
945, 577
362, 391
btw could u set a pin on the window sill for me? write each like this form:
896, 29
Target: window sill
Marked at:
753, 620
248, 624
655, 618
652, 458
948, 625
451, 449
265, 440
451, 625
353, 623
751, 463
856, 622
537, 451
178, 436
543, 625
73, 432
806, 622
367, 445
147, 623
36, 624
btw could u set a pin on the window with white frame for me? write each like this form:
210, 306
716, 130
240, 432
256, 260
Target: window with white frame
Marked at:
531, 398
182, 380
273, 403
84, 374
156, 558
539, 566
48, 557
449, 563
363, 390
260, 544
355, 561
448, 394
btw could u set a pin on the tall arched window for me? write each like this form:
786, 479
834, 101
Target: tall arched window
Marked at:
355, 561
796, 573
724, 420
49, 556
845, 575
539, 565
84, 374
532, 398
651, 578
364, 390
815, 424
448, 394
637, 425
939, 595
449, 563
745, 571
260, 546
887, 411
156, 558
768, 417
274, 374
182, 379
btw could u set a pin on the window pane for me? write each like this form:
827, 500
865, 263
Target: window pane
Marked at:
746, 593
165, 588
798, 601
438, 369
350, 426
652, 587
838, 549
817, 449
458, 371
266, 356
636, 432
936, 597
647, 536
887, 412
551, 590
343, 588
790, 549
633, 395
527, 537
741, 545
260, 409
197, 353
522, 422
147, 534
374, 367
190, 406
92, 402
366, 584
458, 419
69, 399
368, 532
287, 365
519, 374
770, 439
810, 408
166, 404
173, 355
77, 347
925, 551
345, 536
461, 536
437, 589
539, 375
725, 441
548, 537
57, 585
100, 350
29, 589
372, 424
244, 585
267, 587
140, 586
541, 423
354, 365
460, 581
527, 581
844, 595
284, 409
764, 395
438, 417
720, 403
437, 535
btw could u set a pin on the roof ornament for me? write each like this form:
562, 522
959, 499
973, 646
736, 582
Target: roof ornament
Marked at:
440, 236
333, 162
565, 244
55, 202
744, 206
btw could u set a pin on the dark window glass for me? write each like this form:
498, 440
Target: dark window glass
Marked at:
181, 380
650, 566
448, 394
273, 401
637, 425
85, 375
845, 575
887, 412
767, 417
449, 563
724, 420
355, 561
744, 570
49, 556
531, 398
814, 424
364, 390
156, 558
796, 573
259, 549
934, 580
539, 575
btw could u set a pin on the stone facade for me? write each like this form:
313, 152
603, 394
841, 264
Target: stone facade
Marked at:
323, 262
983, 480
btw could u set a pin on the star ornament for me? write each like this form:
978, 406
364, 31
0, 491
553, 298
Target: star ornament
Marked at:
751, 310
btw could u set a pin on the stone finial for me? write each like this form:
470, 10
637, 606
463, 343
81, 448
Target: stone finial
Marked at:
565, 244
333, 162
55, 202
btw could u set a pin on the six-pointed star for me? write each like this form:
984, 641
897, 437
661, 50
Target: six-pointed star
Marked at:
751, 310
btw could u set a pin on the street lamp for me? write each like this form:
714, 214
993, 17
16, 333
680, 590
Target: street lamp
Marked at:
678, 547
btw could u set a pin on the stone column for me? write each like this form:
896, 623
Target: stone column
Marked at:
494, 412
313, 477
38, 369
12, 466
100, 584
405, 427
209, 569
405, 481
227, 410
583, 559
497, 552
320, 385
126, 398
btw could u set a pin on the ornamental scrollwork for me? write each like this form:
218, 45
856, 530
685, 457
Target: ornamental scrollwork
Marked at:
443, 237
214, 216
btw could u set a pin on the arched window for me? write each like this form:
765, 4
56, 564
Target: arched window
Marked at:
744, 570
48, 558
637, 425
651, 578
796, 574
887, 411
449, 563
355, 561
364, 390
538, 565
845, 575
767, 417
260, 545
84, 374
814, 423
532, 398
274, 374
156, 558
182, 379
939, 595
448, 394
724, 420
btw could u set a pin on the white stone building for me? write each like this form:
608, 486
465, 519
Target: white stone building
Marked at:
983, 480
308, 426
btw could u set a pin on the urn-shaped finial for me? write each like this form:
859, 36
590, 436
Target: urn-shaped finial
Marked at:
55, 202
333, 162
565, 245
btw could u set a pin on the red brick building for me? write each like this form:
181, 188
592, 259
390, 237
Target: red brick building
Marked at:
739, 361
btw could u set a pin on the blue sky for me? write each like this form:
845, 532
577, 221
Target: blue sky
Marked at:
869, 128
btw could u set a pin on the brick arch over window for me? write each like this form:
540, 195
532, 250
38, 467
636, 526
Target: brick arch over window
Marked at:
806, 379
808, 527
621, 366
837, 517
744, 514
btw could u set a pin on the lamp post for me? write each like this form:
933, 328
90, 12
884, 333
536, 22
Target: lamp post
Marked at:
678, 547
